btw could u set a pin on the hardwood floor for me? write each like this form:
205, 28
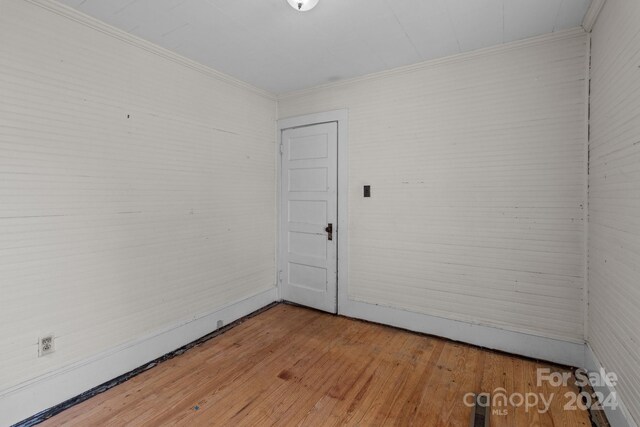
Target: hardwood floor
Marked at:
295, 366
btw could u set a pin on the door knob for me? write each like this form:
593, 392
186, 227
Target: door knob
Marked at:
329, 231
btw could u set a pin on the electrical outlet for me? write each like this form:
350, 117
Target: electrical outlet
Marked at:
220, 324
46, 345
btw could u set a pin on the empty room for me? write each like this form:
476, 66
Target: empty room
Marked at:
320, 213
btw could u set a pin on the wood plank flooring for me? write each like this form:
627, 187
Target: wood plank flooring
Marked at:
295, 366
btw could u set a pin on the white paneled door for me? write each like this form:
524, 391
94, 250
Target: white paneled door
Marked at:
309, 216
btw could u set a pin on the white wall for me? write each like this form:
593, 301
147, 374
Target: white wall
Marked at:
478, 171
614, 197
136, 189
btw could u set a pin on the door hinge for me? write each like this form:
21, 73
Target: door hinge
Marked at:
280, 276
281, 148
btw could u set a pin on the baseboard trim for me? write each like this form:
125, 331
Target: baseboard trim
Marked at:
532, 346
22, 402
45, 392
619, 417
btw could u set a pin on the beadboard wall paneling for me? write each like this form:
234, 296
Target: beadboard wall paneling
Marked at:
478, 180
136, 192
614, 197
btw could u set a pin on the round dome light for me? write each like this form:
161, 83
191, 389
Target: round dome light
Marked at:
303, 5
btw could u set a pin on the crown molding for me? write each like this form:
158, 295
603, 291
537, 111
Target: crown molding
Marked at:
460, 57
95, 24
592, 14
88, 21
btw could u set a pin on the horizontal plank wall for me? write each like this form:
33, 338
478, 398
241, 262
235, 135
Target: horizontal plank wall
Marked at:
477, 167
136, 190
614, 197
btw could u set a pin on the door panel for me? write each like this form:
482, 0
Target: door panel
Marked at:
309, 203
309, 179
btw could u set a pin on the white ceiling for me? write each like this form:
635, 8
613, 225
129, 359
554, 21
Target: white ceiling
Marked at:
270, 45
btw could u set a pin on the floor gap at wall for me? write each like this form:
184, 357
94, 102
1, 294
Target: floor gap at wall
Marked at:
50, 412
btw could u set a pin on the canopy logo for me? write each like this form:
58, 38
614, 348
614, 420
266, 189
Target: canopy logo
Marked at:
500, 401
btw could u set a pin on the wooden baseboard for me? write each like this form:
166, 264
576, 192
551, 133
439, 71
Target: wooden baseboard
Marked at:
25, 400
532, 346
619, 417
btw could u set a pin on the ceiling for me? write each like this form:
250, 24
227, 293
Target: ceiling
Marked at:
270, 45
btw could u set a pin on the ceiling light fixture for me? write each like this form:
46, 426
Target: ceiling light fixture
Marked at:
303, 5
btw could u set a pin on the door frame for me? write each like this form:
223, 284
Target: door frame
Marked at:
341, 118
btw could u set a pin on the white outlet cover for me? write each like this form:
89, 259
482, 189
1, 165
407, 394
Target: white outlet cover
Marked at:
46, 345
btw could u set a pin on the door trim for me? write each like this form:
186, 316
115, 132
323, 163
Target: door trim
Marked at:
341, 118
